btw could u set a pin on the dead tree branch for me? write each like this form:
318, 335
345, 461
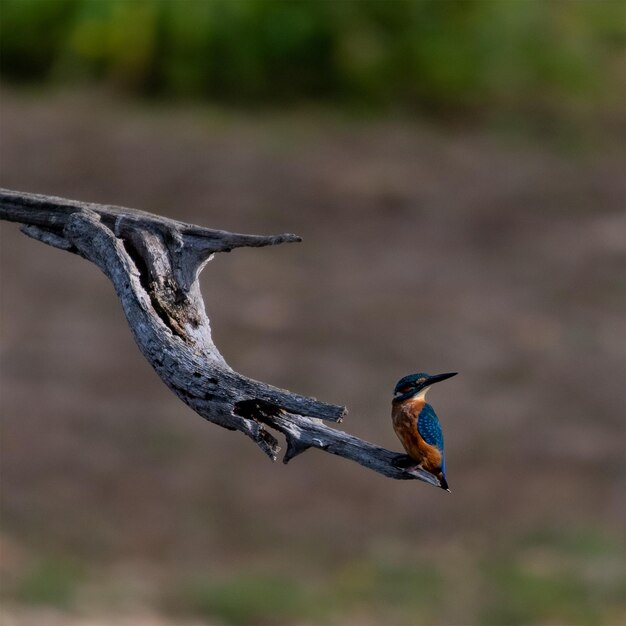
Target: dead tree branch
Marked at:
154, 263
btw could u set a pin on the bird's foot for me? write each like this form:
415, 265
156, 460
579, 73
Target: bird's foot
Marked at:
406, 463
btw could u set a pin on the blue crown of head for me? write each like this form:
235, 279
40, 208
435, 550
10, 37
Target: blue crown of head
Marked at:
410, 381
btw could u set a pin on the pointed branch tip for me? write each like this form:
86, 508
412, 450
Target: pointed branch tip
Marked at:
294, 448
284, 238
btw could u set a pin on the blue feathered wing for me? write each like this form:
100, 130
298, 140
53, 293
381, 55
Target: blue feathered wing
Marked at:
429, 428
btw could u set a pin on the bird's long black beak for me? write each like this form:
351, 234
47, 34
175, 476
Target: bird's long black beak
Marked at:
437, 378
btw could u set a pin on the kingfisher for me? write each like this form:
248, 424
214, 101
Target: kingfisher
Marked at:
417, 426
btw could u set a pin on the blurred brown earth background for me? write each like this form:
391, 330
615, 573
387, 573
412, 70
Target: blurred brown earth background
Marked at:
451, 221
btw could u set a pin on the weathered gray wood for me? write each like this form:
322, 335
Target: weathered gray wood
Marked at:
153, 263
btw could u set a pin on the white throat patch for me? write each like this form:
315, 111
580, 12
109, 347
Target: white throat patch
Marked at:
422, 394
419, 396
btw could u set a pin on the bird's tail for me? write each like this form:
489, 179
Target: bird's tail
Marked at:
443, 482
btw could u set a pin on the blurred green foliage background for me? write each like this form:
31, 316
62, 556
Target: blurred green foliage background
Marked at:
449, 57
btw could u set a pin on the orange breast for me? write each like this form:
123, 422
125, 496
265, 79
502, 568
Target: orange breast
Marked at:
404, 416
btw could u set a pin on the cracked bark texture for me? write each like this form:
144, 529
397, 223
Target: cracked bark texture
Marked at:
154, 263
